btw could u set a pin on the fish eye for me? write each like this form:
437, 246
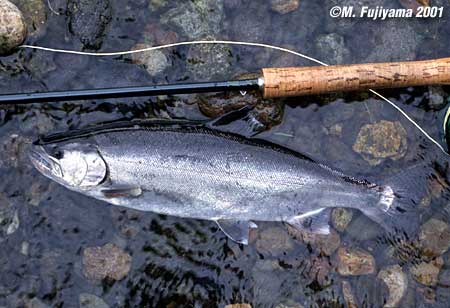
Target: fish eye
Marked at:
58, 154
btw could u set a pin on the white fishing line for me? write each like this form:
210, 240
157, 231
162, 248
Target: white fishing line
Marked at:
128, 52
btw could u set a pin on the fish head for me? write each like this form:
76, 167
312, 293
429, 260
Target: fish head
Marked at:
76, 166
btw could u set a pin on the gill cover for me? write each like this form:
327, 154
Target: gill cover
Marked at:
82, 166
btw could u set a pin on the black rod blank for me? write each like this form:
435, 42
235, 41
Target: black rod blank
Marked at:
187, 88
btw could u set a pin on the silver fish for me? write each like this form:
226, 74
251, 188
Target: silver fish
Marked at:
196, 172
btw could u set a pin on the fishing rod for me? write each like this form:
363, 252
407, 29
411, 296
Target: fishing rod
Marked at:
276, 82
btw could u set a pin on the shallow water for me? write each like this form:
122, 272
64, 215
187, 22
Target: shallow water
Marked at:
190, 263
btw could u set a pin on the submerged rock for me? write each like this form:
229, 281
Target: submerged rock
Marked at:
331, 49
13, 29
381, 140
88, 20
434, 237
427, 272
9, 218
289, 304
196, 19
341, 217
91, 301
154, 61
284, 6
349, 295
35, 15
108, 261
238, 306
354, 262
274, 241
397, 283
207, 61
324, 243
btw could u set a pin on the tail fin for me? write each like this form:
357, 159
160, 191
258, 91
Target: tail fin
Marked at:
397, 210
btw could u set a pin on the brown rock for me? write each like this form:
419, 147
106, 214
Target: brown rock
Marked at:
427, 273
13, 29
349, 296
154, 61
341, 217
274, 241
434, 237
284, 6
238, 306
381, 140
108, 261
354, 262
397, 283
324, 243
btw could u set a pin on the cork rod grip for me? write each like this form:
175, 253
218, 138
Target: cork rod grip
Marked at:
296, 81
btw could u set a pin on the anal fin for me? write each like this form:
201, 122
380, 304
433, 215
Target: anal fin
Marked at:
236, 230
316, 221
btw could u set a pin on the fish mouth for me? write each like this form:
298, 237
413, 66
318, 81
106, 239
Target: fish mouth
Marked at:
45, 163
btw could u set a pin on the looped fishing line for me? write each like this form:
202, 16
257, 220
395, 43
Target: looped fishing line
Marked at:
120, 53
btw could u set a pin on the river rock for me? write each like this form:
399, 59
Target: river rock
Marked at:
88, 20
274, 241
349, 295
381, 140
195, 19
9, 218
238, 306
324, 243
427, 272
289, 304
154, 61
87, 300
397, 283
13, 29
444, 278
108, 261
34, 13
331, 49
341, 217
284, 6
207, 61
354, 262
434, 237
438, 98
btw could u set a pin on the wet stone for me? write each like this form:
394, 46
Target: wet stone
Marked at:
206, 61
340, 218
154, 61
108, 261
274, 241
91, 301
9, 218
289, 304
381, 140
331, 48
324, 243
434, 237
438, 98
397, 283
354, 262
238, 306
13, 29
35, 14
196, 19
427, 272
362, 228
88, 20
35, 303
284, 6
444, 278
349, 295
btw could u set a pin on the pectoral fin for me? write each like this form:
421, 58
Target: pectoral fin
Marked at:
122, 192
237, 230
314, 221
